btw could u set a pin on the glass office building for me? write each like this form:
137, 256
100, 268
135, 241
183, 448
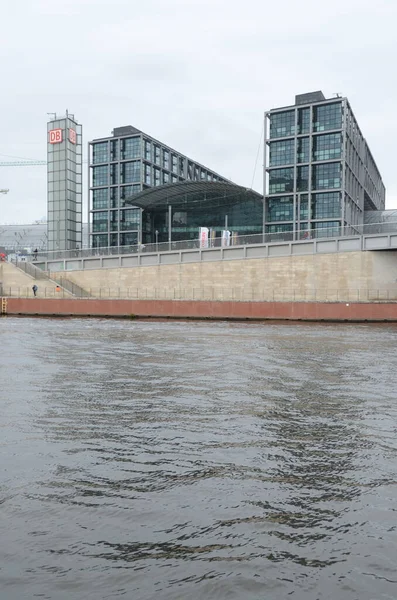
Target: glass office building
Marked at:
64, 183
320, 176
122, 166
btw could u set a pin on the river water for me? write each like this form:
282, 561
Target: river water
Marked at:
193, 460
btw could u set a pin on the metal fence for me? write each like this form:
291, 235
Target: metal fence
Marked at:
238, 240
236, 294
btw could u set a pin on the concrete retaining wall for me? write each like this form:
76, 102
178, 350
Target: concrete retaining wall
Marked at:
313, 311
349, 276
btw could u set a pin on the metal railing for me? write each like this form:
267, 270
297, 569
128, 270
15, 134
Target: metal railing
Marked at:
38, 274
212, 293
303, 235
30, 269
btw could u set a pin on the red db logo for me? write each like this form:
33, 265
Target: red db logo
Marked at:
55, 136
72, 136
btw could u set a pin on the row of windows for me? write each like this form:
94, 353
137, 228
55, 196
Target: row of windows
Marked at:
114, 220
325, 118
103, 240
324, 176
113, 197
123, 149
128, 172
323, 206
325, 147
130, 148
327, 228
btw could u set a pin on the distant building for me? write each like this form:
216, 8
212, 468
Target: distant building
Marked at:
126, 164
320, 176
64, 183
28, 236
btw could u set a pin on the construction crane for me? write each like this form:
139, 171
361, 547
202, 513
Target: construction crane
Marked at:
23, 163
26, 163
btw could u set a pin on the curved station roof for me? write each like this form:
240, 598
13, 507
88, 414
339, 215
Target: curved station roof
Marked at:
191, 192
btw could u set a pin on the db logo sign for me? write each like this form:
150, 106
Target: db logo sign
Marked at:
72, 136
55, 136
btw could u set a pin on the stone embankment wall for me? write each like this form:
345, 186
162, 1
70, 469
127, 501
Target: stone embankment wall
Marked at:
350, 276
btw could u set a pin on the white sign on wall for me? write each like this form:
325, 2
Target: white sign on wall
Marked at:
225, 237
203, 237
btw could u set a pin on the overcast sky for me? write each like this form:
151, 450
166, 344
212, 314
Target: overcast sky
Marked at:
197, 75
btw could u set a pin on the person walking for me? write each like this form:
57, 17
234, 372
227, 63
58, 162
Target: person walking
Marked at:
35, 288
35, 253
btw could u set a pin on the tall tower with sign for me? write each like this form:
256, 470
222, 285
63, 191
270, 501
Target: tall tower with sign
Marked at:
64, 183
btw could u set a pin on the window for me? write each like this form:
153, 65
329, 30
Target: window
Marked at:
326, 175
181, 166
100, 241
281, 180
166, 177
128, 239
126, 191
304, 120
130, 172
326, 206
279, 228
114, 174
129, 218
156, 155
303, 150
113, 197
174, 164
326, 147
148, 177
166, 159
114, 220
282, 124
114, 150
100, 199
100, 152
174, 178
327, 116
100, 221
156, 173
100, 176
130, 148
148, 151
302, 179
114, 239
280, 209
327, 229
304, 207
282, 153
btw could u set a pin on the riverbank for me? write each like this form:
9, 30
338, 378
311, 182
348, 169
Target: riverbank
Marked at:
293, 311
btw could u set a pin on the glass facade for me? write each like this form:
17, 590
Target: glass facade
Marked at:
122, 166
318, 167
241, 208
64, 184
